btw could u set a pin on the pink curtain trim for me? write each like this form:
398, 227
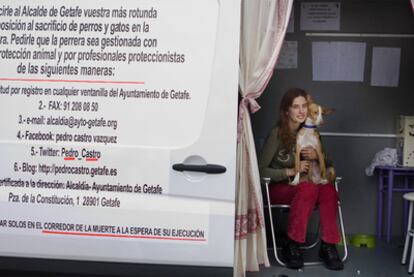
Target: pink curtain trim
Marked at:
254, 192
253, 220
248, 223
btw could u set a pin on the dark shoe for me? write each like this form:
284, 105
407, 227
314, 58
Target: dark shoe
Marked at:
330, 257
292, 254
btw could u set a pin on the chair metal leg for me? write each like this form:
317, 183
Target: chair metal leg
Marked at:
267, 181
405, 252
341, 222
408, 235
410, 266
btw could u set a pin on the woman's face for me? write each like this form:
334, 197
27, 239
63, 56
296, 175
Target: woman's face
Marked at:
298, 110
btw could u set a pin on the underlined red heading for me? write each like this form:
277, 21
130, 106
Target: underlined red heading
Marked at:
118, 236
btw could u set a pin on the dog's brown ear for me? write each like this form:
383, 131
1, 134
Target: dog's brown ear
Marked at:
326, 111
309, 98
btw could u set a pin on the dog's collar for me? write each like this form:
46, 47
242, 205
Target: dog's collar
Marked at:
309, 126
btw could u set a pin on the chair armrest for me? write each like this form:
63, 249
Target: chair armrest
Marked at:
266, 180
337, 181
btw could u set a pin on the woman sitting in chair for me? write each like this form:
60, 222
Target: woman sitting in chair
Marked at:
277, 161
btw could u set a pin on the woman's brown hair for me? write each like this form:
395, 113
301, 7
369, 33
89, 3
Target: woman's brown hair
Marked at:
285, 135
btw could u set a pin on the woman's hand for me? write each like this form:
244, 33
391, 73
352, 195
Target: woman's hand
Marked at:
309, 153
304, 166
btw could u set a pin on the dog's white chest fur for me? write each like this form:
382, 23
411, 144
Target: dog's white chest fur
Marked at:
307, 138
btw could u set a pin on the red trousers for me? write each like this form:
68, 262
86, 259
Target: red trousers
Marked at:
303, 198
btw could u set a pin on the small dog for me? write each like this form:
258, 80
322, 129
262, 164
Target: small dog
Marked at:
307, 136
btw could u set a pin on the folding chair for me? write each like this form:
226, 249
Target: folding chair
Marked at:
266, 182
